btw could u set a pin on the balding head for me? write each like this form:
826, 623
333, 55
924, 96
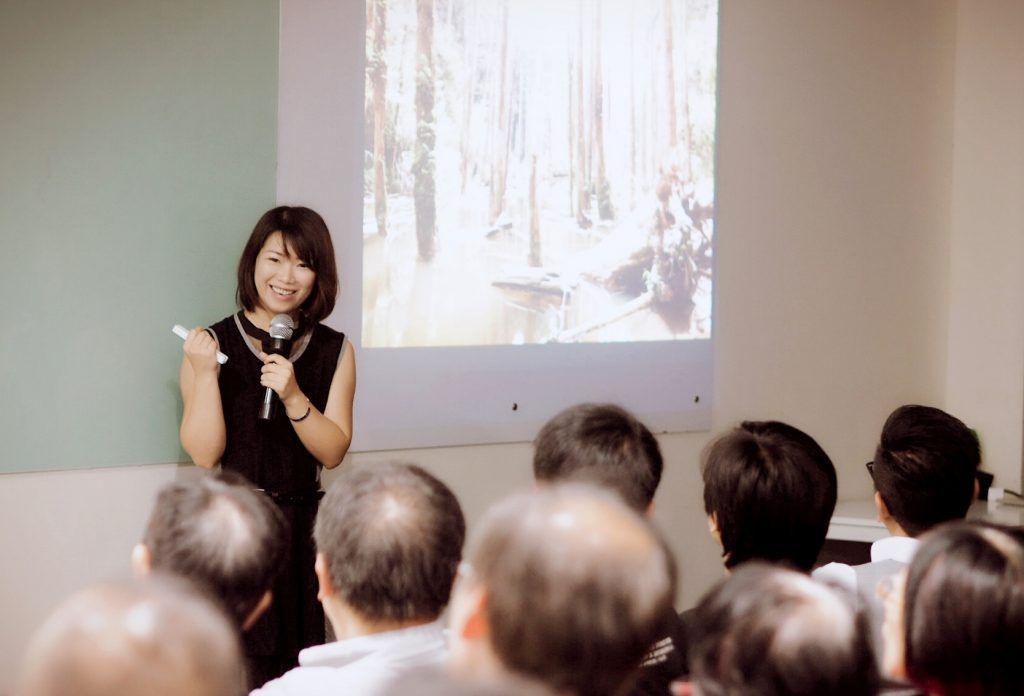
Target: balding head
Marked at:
156, 637
565, 584
766, 631
220, 533
390, 536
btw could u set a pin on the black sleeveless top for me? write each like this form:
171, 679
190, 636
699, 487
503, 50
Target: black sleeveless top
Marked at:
269, 453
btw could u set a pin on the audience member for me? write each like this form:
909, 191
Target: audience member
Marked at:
924, 474
601, 444
954, 622
566, 585
606, 445
769, 493
219, 532
157, 637
769, 631
389, 539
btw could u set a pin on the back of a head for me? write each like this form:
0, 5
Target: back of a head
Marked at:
772, 490
768, 631
963, 611
925, 466
152, 637
220, 533
601, 444
392, 537
577, 586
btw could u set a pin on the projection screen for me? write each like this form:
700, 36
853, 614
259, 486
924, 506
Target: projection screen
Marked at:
521, 196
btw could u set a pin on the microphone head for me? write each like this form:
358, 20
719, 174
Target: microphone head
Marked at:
282, 326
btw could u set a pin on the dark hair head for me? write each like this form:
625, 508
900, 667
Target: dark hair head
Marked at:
963, 611
222, 534
152, 637
767, 631
772, 491
577, 586
925, 467
392, 537
602, 444
305, 234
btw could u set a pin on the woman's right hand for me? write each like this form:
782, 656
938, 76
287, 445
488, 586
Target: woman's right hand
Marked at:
201, 351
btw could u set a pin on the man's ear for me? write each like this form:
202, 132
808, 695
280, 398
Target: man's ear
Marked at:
713, 527
881, 509
257, 612
142, 561
323, 576
977, 489
682, 688
649, 512
475, 625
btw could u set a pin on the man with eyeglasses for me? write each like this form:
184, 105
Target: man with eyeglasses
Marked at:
925, 473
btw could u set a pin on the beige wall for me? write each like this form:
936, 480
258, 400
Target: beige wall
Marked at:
839, 278
985, 381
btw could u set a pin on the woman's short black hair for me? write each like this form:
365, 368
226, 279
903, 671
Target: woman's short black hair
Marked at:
963, 610
306, 235
772, 490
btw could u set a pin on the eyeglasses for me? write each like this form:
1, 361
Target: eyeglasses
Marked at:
870, 466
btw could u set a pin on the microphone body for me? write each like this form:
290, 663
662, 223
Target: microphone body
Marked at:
281, 329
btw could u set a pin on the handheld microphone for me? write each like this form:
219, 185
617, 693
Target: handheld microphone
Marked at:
281, 329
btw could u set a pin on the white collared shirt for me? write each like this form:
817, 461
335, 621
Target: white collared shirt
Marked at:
361, 665
894, 548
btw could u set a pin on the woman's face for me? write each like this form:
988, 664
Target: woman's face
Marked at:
283, 281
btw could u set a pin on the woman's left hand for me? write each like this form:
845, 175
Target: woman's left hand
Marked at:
278, 373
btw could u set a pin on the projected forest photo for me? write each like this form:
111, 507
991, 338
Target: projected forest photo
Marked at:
538, 171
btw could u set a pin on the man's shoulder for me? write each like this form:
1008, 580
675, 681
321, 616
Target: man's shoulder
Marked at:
665, 661
360, 665
311, 681
328, 681
894, 548
840, 574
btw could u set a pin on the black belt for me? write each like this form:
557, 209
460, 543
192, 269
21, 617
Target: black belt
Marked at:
294, 497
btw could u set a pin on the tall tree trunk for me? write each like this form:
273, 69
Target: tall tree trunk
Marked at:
423, 160
378, 69
687, 127
604, 194
670, 77
632, 115
572, 154
397, 184
499, 165
465, 143
534, 216
654, 139
582, 197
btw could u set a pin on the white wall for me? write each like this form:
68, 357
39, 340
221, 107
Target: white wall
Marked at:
834, 155
985, 383
836, 123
